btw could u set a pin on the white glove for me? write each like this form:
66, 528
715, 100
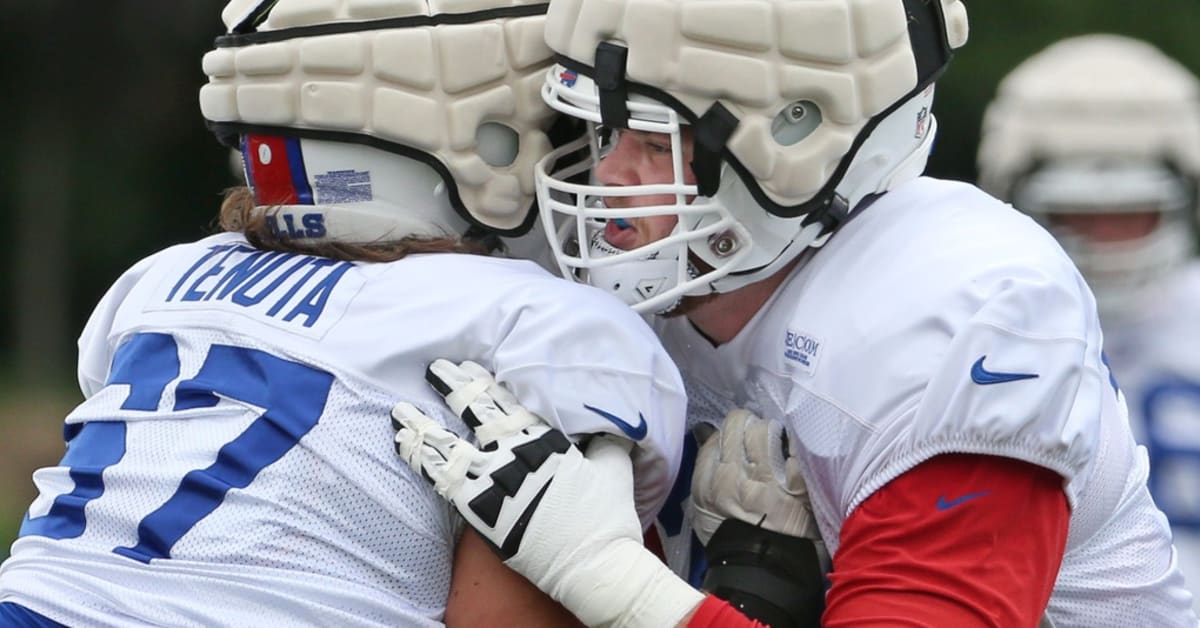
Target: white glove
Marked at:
563, 519
743, 473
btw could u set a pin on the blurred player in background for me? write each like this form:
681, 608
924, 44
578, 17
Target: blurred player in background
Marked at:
1098, 138
229, 465
930, 359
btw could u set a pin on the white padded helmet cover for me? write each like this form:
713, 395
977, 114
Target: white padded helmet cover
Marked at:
431, 88
852, 58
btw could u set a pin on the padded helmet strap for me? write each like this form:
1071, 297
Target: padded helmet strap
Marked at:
246, 16
927, 34
712, 132
610, 84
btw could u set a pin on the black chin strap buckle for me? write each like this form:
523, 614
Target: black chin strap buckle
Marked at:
831, 215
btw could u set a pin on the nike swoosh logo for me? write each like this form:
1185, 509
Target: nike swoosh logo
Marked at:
942, 504
983, 377
636, 433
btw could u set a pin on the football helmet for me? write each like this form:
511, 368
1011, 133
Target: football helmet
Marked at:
1094, 128
797, 110
372, 121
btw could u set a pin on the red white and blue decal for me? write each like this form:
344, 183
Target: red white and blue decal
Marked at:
275, 166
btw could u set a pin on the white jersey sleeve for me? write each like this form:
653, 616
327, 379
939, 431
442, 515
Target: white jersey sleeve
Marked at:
574, 368
95, 350
1020, 376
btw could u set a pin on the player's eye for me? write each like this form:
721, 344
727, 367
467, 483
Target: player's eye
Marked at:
659, 147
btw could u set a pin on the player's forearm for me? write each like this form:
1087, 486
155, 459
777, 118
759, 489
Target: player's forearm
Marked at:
484, 591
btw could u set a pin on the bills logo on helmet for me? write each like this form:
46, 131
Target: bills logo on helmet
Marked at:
276, 166
568, 78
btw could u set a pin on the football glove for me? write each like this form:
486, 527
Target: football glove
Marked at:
743, 472
751, 510
562, 518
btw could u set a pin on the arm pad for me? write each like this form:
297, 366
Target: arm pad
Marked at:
771, 577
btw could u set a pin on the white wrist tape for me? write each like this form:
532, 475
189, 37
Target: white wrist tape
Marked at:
623, 586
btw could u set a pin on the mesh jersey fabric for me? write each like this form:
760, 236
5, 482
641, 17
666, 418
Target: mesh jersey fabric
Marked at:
1154, 351
233, 464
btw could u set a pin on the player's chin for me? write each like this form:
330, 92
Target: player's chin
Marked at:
688, 305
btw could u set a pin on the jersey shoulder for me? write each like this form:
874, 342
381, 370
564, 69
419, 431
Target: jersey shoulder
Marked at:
507, 295
938, 253
942, 320
944, 233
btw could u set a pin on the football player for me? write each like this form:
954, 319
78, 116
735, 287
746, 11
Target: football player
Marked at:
1098, 138
227, 466
932, 355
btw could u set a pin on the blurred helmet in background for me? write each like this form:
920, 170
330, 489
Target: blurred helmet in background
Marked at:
1098, 137
364, 122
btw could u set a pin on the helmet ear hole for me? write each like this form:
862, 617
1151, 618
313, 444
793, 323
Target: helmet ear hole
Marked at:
795, 122
498, 144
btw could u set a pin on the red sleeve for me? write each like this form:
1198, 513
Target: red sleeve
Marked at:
959, 540
714, 612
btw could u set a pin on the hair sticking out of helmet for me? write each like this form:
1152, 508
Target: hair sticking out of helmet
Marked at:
1098, 137
786, 129
400, 120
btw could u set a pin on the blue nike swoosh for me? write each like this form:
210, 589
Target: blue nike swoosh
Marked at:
636, 433
942, 504
983, 377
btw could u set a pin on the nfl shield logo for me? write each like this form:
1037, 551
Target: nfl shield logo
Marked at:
922, 123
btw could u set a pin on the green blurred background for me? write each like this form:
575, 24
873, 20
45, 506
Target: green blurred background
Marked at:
107, 160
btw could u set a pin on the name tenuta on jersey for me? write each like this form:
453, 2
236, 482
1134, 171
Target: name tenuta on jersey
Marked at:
271, 282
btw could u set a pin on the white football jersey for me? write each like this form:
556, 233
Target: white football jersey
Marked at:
940, 320
233, 463
1155, 356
